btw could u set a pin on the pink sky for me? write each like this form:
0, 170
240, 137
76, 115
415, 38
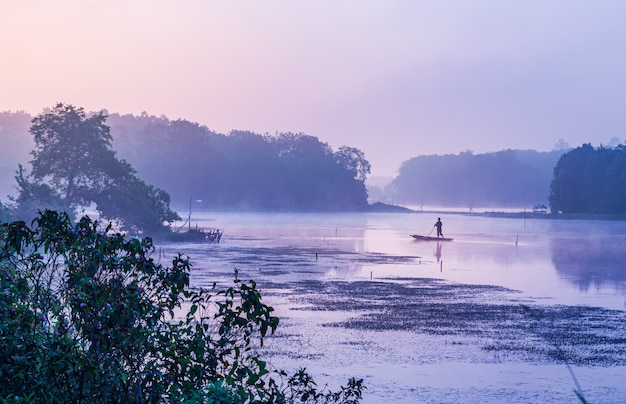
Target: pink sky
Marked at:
396, 79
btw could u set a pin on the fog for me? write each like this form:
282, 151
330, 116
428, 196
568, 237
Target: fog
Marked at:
591, 261
15, 146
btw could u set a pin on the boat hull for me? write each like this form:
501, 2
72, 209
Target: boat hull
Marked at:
429, 238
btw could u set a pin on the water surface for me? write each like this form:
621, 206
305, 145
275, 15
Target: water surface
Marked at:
327, 274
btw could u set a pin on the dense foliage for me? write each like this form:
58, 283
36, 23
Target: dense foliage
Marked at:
285, 171
75, 166
88, 316
590, 180
505, 178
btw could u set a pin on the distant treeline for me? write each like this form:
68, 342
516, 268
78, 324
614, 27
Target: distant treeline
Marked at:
241, 170
294, 171
512, 178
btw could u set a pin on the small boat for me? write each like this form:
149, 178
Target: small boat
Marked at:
430, 238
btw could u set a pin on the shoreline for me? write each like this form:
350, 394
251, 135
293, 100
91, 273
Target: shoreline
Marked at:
381, 207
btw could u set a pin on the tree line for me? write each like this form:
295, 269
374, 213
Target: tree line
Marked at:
130, 168
512, 178
183, 161
242, 170
582, 180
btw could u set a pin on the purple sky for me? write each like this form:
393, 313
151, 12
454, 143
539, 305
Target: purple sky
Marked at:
396, 79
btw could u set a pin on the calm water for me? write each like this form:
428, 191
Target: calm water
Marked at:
547, 261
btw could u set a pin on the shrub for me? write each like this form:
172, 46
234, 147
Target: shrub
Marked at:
86, 315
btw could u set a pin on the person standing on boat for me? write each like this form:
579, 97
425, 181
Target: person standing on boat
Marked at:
439, 225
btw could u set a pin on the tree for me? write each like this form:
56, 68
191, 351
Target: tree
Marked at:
74, 158
137, 206
72, 150
353, 160
88, 316
33, 196
315, 178
590, 180
566, 185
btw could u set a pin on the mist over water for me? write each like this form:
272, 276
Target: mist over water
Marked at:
302, 260
565, 261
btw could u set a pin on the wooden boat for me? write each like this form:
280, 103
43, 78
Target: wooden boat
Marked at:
430, 238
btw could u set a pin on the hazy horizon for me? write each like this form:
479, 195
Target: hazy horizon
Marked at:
395, 79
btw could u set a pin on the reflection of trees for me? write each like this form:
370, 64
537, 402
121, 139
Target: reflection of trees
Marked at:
590, 260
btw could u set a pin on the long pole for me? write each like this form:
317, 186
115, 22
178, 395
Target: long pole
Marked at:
189, 217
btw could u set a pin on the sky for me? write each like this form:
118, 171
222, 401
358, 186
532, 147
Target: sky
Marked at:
394, 78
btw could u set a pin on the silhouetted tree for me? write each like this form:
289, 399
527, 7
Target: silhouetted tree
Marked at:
74, 165
33, 196
72, 150
590, 180
353, 160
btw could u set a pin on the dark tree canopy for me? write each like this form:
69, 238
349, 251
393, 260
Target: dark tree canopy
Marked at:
34, 195
74, 166
590, 180
353, 161
73, 151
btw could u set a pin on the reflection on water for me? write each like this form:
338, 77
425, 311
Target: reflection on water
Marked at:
591, 261
438, 250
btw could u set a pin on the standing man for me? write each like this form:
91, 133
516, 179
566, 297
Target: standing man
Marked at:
439, 225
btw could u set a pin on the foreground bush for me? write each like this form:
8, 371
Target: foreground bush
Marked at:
86, 316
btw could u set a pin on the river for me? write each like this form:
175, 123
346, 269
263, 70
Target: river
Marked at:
351, 290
